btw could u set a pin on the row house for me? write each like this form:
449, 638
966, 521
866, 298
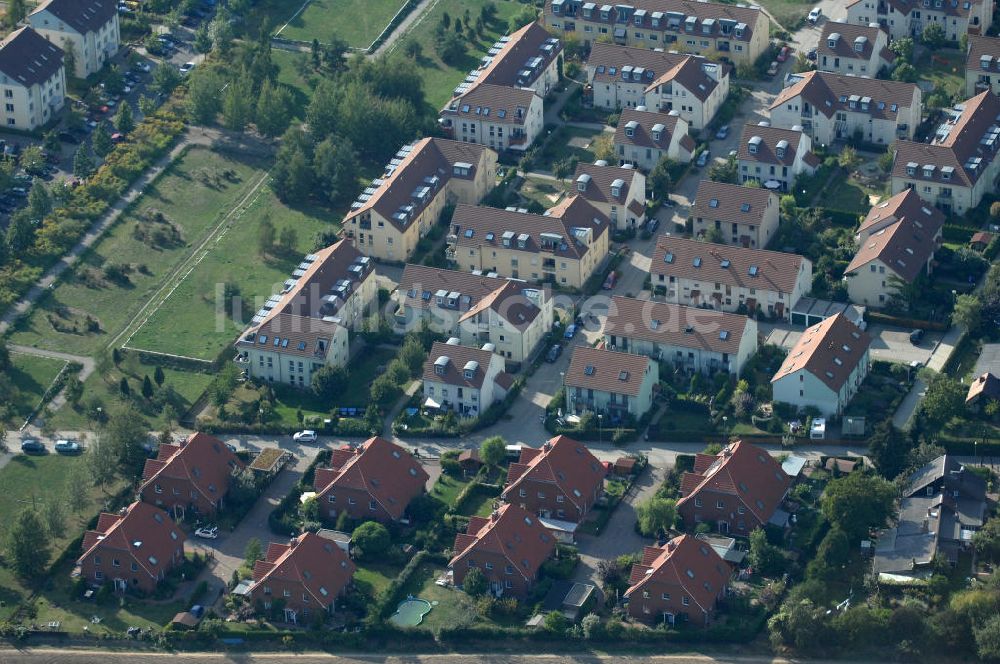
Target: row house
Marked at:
402, 205
33, 80
566, 245
500, 103
982, 65
736, 215
959, 165
617, 192
737, 33
773, 157
908, 18
644, 138
306, 576
624, 77
508, 547
560, 480
832, 107
690, 338
191, 476
739, 489
729, 278
87, 28
897, 241
463, 379
373, 482
853, 50
825, 368
477, 308
133, 549
610, 384
305, 327
679, 581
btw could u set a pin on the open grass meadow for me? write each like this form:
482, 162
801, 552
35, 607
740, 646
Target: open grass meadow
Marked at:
358, 22
32, 376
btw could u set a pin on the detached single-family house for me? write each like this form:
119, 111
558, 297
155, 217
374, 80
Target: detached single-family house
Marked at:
689, 338
834, 107
305, 327
134, 549
33, 80
610, 384
855, 50
774, 157
644, 138
680, 581
375, 481
618, 193
306, 576
737, 32
508, 547
982, 390
403, 204
982, 65
897, 241
729, 278
731, 214
739, 489
477, 308
463, 379
560, 480
193, 476
825, 368
908, 18
88, 28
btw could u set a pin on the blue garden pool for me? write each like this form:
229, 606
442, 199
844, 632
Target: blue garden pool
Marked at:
410, 612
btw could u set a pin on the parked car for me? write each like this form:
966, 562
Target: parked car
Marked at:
186, 67
307, 436
32, 446
784, 53
207, 532
811, 55
611, 280
722, 133
772, 69
68, 447
570, 332
703, 158
916, 336
815, 14
670, 203
67, 137
653, 224
553, 353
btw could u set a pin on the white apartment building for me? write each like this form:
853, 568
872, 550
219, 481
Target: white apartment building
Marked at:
853, 50
88, 28
644, 138
742, 216
908, 18
33, 80
774, 157
464, 380
618, 193
610, 384
982, 65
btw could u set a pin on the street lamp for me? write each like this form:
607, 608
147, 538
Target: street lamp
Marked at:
725, 427
600, 431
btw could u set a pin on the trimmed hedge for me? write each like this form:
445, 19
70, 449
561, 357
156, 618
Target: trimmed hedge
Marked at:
886, 319
957, 234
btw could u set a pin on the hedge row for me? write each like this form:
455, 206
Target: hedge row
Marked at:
886, 319
957, 234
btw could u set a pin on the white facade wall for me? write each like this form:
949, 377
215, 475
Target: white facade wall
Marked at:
270, 364
500, 135
91, 50
580, 400
468, 401
802, 389
696, 359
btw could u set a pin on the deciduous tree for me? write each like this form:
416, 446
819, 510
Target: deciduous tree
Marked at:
655, 514
492, 450
858, 502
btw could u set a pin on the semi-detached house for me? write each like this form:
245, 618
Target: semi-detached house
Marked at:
464, 380
613, 385
402, 205
689, 338
619, 193
716, 276
33, 80
88, 28
832, 107
908, 18
741, 216
773, 157
854, 50
644, 138
982, 65
738, 33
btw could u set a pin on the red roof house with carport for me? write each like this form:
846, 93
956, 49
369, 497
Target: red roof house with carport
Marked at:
561, 480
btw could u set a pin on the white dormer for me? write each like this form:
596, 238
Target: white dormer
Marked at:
754, 143
441, 365
658, 130
780, 148
616, 187
833, 39
630, 128
582, 182
859, 43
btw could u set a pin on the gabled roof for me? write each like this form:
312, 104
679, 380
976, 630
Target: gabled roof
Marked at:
202, 460
599, 182
904, 246
562, 461
476, 226
905, 204
456, 361
767, 139
730, 265
986, 385
654, 68
385, 470
846, 44
984, 54
741, 470
731, 203
607, 370
830, 93
316, 563
686, 562
82, 15
829, 350
675, 325
948, 7
142, 531
642, 134
716, 17
499, 104
510, 532
28, 58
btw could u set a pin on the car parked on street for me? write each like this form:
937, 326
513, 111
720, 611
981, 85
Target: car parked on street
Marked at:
68, 447
570, 332
722, 133
815, 14
784, 53
306, 436
207, 532
703, 158
916, 336
553, 353
32, 446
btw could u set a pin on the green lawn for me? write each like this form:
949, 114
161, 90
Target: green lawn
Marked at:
373, 578
32, 376
569, 142
189, 322
358, 22
447, 488
439, 77
193, 196
945, 69
479, 505
789, 13
295, 72
453, 609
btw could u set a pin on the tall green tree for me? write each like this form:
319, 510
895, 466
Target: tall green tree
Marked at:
124, 120
492, 450
968, 313
334, 52
17, 10
237, 105
293, 178
944, 399
204, 98
83, 163
101, 140
273, 113
20, 233
336, 167
655, 514
372, 538
147, 388
39, 201
659, 179
28, 549
165, 78
158, 376
858, 502
266, 236
888, 449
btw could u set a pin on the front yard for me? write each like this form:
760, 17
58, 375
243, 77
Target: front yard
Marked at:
449, 607
32, 376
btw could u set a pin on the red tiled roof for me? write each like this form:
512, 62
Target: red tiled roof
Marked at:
642, 134
319, 565
510, 532
829, 350
563, 461
980, 45
846, 46
830, 93
685, 562
986, 385
202, 460
612, 371
767, 148
383, 469
746, 471
143, 531
598, 181
459, 358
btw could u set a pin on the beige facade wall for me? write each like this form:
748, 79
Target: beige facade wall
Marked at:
843, 125
500, 135
871, 287
616, 95
803, 389
91, 50
976, 81
579, 400
953, 197
909, 25
270, 364
28, 108
534, 266
467, 401
646, 159
697, 359
733, 233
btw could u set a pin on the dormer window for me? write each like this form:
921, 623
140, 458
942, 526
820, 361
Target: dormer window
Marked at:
780, 152
911, 169
754, 144
468, 374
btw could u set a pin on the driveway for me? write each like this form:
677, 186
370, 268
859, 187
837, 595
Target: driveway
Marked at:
890, 344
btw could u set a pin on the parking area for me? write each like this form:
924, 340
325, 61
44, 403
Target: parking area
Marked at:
891, 344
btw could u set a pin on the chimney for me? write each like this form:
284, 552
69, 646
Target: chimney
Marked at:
293, 542
494, 515
547, 446
671, 545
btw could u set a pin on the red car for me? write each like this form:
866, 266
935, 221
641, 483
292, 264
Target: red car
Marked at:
783, 53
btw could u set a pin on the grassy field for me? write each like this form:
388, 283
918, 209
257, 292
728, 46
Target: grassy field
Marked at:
372, 578
32, 376
847, 195
295, 73
789, 13
193, 196
358, 22
453, 608
447, 488
945, 69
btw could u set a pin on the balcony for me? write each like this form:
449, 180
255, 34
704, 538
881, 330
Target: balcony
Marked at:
449, 253
242, 360
806, 112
